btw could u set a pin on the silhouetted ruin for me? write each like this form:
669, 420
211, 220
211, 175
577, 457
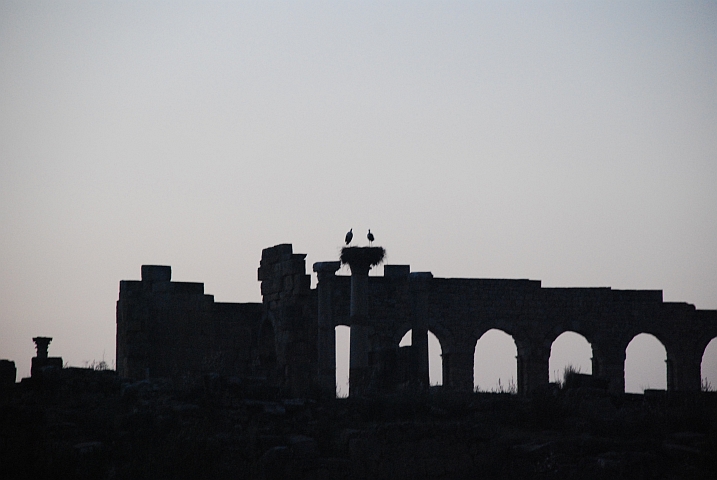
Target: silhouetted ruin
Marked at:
225, 390
173, 329
42, 360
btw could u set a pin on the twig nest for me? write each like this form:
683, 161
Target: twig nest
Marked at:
365, 256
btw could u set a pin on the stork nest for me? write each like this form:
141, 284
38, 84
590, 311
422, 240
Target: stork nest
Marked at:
370, 256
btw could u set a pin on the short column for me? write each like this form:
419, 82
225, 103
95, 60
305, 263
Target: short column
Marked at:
609, 364
684, 371
533, 369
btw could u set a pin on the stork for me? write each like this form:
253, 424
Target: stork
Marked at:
349, 236
370, 237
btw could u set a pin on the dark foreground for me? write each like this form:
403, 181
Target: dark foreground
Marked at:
80, 423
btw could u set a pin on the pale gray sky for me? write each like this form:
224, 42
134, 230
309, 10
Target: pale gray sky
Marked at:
569, 142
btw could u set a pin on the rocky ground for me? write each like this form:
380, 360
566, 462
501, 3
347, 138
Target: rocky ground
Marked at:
81, 423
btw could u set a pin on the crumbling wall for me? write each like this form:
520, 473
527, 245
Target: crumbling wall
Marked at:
290, 308
460, 311
172, 329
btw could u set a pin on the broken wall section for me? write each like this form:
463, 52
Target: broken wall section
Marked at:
290, 312
172, 329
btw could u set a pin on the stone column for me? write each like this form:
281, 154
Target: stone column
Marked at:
326, 346
359, 374
419, 326
8, 374
609, 364
360, 260
533, 368
684, 372
458, 364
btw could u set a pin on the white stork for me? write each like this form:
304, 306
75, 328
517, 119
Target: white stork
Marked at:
349, 236
370, 237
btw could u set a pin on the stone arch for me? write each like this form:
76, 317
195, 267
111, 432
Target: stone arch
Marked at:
502, 349
708, 366
342, 334
646, 363
570, 349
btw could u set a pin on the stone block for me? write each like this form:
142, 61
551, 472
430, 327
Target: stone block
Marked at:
326, 267
302, 283
156, 273
293, 266
38, 364
396, 271
276, 253
8, 373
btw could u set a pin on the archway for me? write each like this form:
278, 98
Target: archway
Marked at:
495, 367
709, 367
645, 364
435, 359
569, 351
343, 346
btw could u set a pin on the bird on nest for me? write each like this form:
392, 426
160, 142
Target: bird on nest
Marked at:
370, 237
349, 236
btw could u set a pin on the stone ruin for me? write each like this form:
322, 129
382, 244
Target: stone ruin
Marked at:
175, 330
42, 360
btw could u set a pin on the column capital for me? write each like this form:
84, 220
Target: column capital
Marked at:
42, 344
326, 269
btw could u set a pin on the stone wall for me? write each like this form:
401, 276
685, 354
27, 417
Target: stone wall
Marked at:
172, 329
460, 311
290, 312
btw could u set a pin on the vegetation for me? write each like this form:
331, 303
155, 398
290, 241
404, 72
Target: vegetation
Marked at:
568, 371
511, 387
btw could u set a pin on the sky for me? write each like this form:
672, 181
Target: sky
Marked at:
569, 142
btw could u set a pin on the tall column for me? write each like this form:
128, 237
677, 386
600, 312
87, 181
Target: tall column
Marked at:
419, 326
360, 260
359, 375
326, 347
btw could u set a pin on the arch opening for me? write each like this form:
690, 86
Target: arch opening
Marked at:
343, 346
709, 367
570, 351
407, 339
435, 360
495, 365
435, 356
645, 364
